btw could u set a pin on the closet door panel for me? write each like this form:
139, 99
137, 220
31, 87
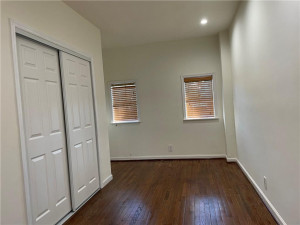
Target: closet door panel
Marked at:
34, 112
79, 110
42, 198
44, 131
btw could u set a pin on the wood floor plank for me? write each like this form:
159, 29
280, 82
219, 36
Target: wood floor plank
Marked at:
175, 192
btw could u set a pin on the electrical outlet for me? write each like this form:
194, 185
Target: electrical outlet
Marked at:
265, 183
170, 148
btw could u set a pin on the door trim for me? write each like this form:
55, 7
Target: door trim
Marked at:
17, 28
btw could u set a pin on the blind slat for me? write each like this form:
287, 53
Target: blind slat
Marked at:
199, 100
124, 102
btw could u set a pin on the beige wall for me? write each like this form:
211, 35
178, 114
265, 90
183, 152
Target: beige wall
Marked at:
227, 87
157, 68
265, 63
60, 22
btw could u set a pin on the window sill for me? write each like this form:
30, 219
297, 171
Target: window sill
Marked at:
124, 122
212, 118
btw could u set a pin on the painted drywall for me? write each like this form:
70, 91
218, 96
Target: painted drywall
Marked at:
265, 65
157, 69
60, 22
227, 87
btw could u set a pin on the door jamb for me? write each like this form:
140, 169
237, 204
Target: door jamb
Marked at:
17, 28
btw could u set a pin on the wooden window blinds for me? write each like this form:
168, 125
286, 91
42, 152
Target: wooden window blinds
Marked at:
124, 102
199, 99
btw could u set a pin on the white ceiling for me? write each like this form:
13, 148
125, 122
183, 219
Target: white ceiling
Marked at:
125, 23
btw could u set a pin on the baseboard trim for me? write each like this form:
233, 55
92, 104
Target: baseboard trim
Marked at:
264, 198
127, 158
231, 159
106, 181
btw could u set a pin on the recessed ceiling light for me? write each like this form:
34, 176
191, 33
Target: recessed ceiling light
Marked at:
203, 21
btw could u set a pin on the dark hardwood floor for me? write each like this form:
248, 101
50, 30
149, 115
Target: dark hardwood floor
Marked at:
175, 192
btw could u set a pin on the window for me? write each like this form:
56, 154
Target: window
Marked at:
198, 97
124, 102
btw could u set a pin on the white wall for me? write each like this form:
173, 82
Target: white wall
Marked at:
157, 68
265, 62
227, 87
63, 24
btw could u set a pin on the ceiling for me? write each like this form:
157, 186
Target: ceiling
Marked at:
126, 23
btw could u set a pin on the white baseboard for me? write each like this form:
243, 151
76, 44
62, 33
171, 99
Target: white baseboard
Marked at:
231, 159
154, 157
264, 198
106, 181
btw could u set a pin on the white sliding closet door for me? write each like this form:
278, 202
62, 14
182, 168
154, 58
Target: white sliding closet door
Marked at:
44, 131
79, 109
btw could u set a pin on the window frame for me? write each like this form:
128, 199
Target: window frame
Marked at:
111, 102
213, 93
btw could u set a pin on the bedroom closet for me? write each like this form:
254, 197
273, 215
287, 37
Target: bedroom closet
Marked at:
57, 112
